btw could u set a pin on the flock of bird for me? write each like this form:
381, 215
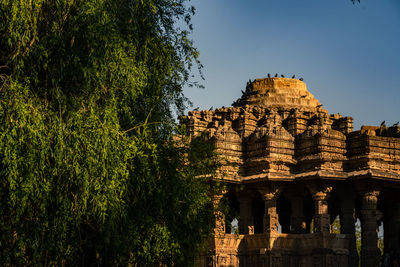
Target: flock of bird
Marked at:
283, 76
276, 75
301, 79
394, 125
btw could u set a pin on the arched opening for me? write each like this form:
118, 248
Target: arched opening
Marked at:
230, 207
309, 210
284, 211
334, 210
258, 211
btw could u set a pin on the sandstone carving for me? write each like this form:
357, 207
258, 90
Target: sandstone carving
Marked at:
289, 164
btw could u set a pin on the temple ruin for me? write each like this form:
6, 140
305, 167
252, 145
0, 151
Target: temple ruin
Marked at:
291, 170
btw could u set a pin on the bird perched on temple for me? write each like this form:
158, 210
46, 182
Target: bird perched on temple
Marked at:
319, 106
269, 75
383, 123
276, 75
283, 76
294, 76
196, 109
301, 79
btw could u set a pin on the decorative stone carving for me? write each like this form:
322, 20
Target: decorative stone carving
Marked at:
370, 253
278, 136
219, 229
271, 220
321, 217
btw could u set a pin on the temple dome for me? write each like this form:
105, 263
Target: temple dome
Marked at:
278, 93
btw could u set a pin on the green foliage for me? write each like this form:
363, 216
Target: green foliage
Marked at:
335, 228
381, 245
89, 171
358, 239
229, 206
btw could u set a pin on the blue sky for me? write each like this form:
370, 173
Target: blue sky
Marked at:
349, 55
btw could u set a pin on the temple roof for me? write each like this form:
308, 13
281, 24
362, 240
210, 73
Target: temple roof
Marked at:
277, 130
278, 92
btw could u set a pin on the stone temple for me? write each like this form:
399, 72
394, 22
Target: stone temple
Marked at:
292, 170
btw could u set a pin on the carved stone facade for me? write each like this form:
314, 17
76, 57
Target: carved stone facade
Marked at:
294, 168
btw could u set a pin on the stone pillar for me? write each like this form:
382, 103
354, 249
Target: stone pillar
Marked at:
219, 229
391, 222
246, 222
271, 219
370, 253
297, 219
347, 226
393, 233
321, 217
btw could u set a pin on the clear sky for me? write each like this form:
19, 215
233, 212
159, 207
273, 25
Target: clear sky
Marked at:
348, 55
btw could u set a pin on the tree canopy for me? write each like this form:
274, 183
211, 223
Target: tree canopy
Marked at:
89, 171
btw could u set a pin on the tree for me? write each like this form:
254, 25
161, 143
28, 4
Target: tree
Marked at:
90, 173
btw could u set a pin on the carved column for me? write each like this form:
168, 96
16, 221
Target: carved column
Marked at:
369, 229
391, 221
271, 219
297, 219
321, 216
219, 229
246, 222
347, 225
